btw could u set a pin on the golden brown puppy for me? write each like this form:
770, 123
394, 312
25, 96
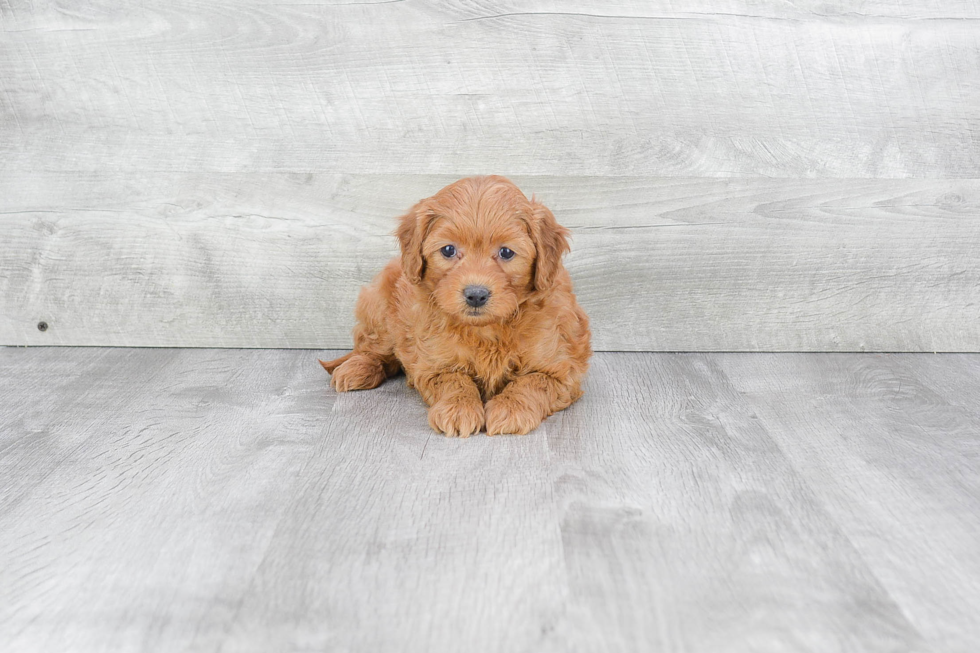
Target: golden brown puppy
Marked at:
478, 311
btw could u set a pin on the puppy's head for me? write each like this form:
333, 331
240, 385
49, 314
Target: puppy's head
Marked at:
479, 247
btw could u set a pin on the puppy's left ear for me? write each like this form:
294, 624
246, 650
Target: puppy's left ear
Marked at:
550, 243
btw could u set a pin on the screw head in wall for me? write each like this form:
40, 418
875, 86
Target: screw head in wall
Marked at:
42, 326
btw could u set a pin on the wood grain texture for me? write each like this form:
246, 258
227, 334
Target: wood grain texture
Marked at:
686, 529
585, 87
276, 260
774, 176
201, 500
891, 450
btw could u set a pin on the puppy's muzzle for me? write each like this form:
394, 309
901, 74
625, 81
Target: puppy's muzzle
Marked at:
476, 296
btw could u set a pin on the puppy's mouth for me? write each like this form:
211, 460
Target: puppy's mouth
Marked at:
477, 316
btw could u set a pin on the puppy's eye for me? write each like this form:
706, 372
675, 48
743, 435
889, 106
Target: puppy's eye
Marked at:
448, 251
506, 253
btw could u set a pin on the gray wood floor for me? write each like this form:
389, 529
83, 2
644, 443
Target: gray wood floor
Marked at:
228, 500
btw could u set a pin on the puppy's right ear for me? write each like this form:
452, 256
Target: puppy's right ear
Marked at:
411, 232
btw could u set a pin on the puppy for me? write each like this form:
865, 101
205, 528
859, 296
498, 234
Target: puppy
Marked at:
478, 311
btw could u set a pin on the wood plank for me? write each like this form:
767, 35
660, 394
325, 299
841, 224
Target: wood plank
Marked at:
236, 502
686, 529
229, 500
894, 462
957, 384
847, 89
149, 531
276, 260
401, 539
46, 413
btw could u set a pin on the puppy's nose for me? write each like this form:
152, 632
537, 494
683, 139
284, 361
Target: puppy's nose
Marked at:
476, 296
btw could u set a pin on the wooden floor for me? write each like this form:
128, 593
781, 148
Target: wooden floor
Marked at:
228, 500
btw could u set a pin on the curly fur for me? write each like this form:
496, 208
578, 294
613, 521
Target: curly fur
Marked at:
505, 366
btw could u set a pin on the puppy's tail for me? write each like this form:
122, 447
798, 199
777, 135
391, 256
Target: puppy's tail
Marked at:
330, 366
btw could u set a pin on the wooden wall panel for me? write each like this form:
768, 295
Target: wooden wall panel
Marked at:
803, 89
276, 260
766, 175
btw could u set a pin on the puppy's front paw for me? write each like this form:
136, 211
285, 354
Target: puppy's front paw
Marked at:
457, 417
507, 415
359, 372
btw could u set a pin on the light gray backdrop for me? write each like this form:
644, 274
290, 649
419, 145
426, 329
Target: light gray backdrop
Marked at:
764, 175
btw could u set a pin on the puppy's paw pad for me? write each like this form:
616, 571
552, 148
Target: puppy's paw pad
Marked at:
505, 415
357, 373
457, 418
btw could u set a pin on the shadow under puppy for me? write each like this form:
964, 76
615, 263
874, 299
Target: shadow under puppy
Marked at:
478, 311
